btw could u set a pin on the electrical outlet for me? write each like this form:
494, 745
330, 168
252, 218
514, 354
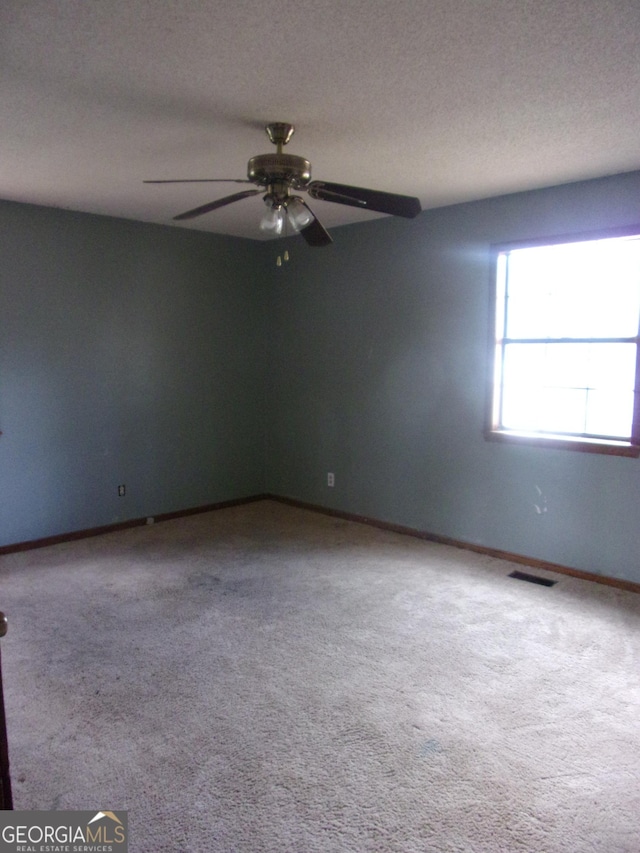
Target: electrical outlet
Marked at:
122, 491
331, 480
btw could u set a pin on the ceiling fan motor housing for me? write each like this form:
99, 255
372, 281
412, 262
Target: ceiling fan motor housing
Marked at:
266, 169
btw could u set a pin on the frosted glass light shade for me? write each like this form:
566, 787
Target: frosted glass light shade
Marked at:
273, 221
299, 215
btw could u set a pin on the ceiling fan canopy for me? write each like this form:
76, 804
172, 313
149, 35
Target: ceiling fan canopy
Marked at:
280, 175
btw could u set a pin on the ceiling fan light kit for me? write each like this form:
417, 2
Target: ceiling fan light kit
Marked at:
279, 174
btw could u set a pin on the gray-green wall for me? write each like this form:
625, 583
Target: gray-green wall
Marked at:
129, 354
192, 369
379, 372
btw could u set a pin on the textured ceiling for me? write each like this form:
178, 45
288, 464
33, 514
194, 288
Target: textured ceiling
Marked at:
449, 100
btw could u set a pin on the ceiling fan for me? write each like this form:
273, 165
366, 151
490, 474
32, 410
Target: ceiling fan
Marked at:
280, 176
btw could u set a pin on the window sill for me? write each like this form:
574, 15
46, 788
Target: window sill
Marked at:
559, 442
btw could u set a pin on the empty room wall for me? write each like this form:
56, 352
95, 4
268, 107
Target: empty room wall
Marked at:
129, 354
190, 368
379, 360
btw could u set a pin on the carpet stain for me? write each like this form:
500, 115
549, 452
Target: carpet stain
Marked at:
430, 747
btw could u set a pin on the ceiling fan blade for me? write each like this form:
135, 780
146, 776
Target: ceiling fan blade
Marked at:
315, 233
202, 181
396, 205
214, 205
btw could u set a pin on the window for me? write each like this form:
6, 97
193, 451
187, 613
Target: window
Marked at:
566, 368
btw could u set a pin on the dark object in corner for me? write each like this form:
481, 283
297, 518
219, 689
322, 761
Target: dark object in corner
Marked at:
523, 576
6, 800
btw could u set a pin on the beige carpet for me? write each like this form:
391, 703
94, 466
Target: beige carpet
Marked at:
264, 678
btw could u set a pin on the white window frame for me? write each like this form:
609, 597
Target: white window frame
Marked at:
494, 429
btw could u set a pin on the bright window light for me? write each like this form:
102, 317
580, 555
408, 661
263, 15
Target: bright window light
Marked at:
566, 352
